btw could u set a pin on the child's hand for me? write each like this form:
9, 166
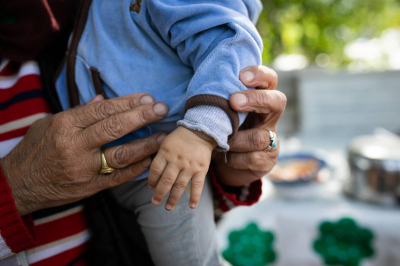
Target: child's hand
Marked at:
184, 156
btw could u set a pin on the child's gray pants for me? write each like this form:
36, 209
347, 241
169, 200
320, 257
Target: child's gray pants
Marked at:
179, 237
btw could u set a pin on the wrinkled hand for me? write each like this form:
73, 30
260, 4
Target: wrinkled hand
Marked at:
184, 157
58, 160
247, 161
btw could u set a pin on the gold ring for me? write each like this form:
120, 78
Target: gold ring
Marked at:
105, 169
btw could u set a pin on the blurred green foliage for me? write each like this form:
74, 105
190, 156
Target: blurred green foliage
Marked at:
311, 27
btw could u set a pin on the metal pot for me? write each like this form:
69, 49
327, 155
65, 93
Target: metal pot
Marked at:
375, 169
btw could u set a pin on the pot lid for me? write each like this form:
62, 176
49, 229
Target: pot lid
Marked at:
379, 147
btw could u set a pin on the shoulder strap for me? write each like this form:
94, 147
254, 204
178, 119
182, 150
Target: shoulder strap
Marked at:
71, 54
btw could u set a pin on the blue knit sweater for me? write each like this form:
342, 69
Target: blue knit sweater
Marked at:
180, 51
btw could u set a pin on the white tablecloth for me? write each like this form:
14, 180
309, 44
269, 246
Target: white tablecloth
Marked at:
295, 224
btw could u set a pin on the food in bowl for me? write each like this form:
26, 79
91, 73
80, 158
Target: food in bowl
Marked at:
296, 169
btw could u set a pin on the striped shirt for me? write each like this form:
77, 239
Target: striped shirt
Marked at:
58, 236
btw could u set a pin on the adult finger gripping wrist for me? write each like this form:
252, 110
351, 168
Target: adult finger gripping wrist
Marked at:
247, 76
239, 99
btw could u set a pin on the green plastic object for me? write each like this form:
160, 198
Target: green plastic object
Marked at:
344, 243
250, 247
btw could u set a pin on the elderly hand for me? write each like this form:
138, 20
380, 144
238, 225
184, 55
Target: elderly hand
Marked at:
247, 159
58, 160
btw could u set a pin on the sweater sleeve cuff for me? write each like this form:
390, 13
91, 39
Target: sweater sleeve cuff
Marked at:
217, 101
226, 198
16, 232
210, 120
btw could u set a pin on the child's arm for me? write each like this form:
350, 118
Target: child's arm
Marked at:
218, 39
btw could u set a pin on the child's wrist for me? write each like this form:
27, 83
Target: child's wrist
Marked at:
205, 137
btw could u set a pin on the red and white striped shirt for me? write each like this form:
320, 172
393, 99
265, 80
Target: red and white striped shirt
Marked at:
57, 236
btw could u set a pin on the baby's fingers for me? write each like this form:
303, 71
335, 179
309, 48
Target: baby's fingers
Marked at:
197, 184
166, 181
178, 189
156, 169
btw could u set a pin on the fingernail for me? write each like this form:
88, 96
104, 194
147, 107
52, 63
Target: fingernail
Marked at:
247, 76
155, 202
168, 207
146, 99
96, 99
151, 187
146, 162
160, 109
192, 205
160, 138
240, 99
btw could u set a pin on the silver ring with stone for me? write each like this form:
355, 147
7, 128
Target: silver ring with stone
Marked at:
272, 141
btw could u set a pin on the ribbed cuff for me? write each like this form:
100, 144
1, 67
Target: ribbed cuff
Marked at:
226, 198
210, 120
17, 231
217, 101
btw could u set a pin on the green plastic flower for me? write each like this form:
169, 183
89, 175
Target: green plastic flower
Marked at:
344, 243
250, 247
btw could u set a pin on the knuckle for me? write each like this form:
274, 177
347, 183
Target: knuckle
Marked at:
258, 139
179, 185
105, 109
282, 100
277, 96
72, 117
167, 180
281, 97
155, 170
142, 116
113, 128
164, 151
121, 156
197, 184
55, 122
260, 98
133, 101
258, 159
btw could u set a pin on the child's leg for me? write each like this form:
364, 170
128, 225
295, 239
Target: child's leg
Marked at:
180, 237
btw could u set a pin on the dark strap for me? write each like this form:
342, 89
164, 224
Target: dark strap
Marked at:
116, 236
72, 52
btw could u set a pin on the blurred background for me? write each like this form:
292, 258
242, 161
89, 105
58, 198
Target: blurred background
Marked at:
359, 35
333, 198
